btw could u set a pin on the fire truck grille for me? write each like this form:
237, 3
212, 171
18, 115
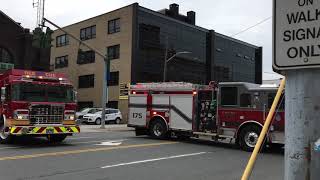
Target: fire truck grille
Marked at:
46, 114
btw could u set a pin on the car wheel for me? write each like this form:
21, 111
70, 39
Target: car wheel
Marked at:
118, 121
158, 129
98, 121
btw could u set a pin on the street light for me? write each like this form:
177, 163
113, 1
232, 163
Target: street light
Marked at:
169, 59
104, 99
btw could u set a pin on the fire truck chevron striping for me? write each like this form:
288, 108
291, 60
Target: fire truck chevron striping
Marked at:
233, 110
43, 130
36, 103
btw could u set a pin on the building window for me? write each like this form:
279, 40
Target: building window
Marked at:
239, 55
88, 33
218, 49
112, 104
114, 26
61, 62
5, 56
86, 57
114, 79
114, 52
149, 36
245, 100
86, 81
62, 40
229, 96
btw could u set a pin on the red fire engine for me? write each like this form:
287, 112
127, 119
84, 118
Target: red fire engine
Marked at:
233, 110
36, 103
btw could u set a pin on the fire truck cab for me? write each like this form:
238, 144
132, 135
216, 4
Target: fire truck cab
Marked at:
233, 110
36, 103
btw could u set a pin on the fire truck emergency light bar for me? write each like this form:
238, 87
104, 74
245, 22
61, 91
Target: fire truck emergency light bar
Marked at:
165, 85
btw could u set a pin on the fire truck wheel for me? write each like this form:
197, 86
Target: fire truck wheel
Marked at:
248, 137
98, 121
5, 137
57, 138
158, 129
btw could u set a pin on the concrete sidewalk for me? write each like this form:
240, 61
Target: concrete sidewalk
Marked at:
109, 127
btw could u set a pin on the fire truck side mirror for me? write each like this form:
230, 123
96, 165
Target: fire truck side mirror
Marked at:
3, 94
75, 94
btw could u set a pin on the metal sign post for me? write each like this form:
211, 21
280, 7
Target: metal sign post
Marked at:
296, 51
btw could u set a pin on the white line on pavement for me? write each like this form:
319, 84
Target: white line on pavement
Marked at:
84, 137
151, 160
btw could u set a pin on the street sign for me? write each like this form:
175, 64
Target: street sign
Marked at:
124, 90
296, 34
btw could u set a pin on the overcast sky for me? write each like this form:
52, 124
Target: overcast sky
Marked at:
226, 17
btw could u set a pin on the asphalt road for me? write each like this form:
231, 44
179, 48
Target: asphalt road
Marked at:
122, 156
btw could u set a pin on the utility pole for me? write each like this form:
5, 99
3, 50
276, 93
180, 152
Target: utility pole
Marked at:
106, 68
302, 154
165, 61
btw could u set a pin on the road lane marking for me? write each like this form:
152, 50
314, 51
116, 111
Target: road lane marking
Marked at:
110, 143
8, 148
69, 143
152, 160
60, 153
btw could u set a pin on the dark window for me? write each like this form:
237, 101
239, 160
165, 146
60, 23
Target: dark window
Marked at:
114, 79
114, 52
86, 81
114, 26
113, 104
88, 33
271, 97
221, 73
5, 56
229, 96
85, 57
61, 62
85, 104
149, 36
245, 100
62, 40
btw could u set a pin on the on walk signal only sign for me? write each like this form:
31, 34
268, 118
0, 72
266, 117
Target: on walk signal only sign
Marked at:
296, 34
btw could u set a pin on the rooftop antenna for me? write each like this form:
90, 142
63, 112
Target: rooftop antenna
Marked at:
39, 4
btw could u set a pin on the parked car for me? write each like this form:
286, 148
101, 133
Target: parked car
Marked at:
112, 115
84, 111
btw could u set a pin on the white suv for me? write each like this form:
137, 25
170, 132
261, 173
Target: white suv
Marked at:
112, 115
82, 112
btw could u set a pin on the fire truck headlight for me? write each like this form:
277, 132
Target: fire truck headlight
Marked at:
21, 117
69, 115
21, 114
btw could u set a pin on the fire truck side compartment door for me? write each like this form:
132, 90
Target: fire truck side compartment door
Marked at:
181, 112
137, 110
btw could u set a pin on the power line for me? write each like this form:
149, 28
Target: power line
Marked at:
264, 20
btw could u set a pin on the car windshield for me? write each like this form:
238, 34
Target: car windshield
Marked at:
92, 111
84, 110
42, 93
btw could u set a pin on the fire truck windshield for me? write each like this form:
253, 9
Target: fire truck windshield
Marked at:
42, 93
